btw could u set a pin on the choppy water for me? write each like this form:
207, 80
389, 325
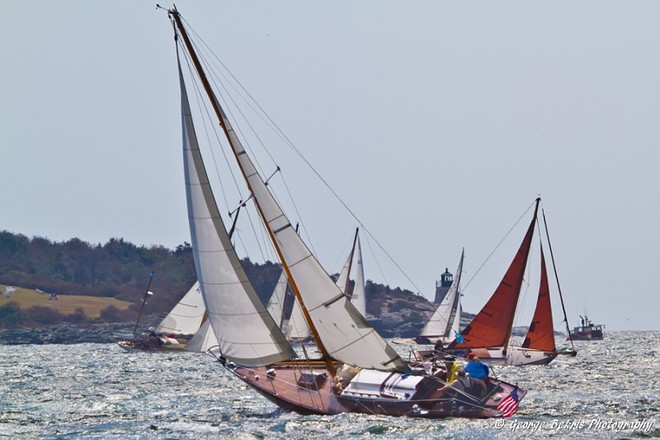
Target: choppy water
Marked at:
610, 390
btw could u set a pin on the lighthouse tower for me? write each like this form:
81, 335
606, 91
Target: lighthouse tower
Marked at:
442, 286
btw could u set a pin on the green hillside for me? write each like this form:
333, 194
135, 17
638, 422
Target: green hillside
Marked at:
64, 304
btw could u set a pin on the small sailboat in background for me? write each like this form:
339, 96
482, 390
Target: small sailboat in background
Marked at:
445, 322
357, 370
185, 327
588, 331
488, 335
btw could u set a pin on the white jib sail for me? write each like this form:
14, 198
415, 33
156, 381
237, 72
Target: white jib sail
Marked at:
246, 333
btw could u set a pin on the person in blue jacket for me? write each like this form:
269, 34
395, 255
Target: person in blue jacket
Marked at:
475, 368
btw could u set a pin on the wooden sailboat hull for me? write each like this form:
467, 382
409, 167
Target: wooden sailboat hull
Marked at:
310, 389
152, 345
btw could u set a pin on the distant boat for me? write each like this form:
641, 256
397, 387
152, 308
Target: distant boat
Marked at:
184, 328
357, 371
487, 336
587, 331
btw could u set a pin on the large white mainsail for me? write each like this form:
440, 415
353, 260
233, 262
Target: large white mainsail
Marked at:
186, 316
246, 333
343, 332
446, 320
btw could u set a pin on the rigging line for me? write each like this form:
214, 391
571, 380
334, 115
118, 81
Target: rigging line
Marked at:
554, 267
288, 141
380, 269
262, 113
295, 209
497, 246
217, 73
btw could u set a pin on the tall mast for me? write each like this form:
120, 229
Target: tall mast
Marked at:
147, 293
219, 113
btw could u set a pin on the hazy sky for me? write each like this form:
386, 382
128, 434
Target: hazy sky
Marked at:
437, 122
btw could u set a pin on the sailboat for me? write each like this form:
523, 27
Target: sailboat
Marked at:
445, 322
358, 297
357, 371
185, 327
487, 336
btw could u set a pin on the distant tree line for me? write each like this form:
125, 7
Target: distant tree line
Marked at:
121, 270
116, 269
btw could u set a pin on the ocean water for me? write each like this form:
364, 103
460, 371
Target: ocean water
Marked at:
98, 391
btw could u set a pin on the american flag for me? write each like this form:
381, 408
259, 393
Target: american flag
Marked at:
509, 405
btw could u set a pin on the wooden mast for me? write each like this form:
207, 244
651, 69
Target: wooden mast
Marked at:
216, 107
144, 301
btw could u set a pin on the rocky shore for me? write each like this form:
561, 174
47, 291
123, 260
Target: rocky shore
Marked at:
65, 334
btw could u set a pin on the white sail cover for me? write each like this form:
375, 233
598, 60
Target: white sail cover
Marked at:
186, 316
342, 330
359, 299
203, 339
445, 321
246, 333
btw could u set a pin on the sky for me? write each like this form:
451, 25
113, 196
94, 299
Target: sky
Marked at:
438, 123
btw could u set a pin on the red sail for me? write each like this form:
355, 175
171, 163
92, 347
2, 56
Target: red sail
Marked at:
492, 325
541, 334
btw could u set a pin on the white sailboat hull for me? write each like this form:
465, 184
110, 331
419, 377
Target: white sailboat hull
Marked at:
514, 356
